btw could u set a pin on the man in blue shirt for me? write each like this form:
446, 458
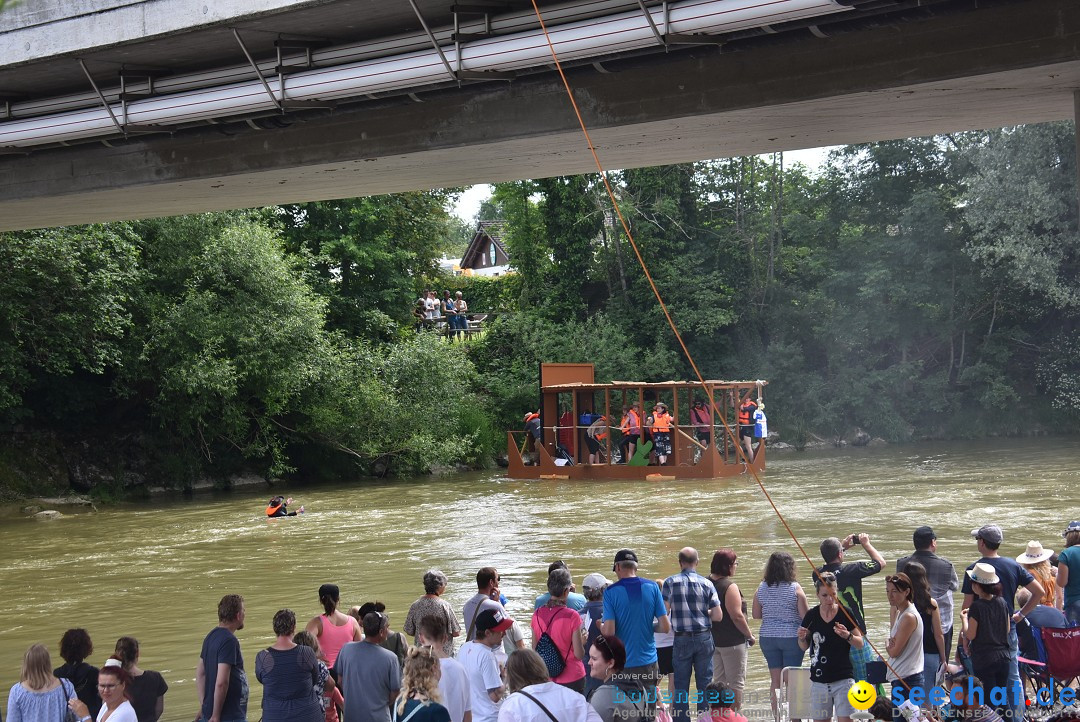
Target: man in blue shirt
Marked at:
692, 601
574, 600
988, 538
630, 606
220, 681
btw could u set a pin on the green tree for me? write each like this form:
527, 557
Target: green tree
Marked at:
1022, 207
571, 224
64, 301
238, 347
367, 252
530, 252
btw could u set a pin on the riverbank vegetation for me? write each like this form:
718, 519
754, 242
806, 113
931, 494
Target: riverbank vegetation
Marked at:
914, 288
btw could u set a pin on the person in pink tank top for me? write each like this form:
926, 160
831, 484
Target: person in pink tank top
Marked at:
334, 629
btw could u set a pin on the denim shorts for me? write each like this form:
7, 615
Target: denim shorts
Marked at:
781, 652
829, 698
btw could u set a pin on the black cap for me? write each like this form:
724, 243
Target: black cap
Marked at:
624, 555
492, 619
923, 536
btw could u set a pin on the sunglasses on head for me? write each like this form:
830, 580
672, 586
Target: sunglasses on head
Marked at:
898, 581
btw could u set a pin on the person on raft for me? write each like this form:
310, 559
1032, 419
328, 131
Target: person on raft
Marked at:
278, 506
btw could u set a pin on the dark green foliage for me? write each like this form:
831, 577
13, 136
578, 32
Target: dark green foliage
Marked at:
366, 252
64, 306
914, 288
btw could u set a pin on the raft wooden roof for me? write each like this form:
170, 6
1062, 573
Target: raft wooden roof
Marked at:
615, 385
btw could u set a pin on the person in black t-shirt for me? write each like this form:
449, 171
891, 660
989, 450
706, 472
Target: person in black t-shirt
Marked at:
829, 638
985, 624
849, 578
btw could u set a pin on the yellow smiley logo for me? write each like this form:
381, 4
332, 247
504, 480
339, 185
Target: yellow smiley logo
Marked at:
862, 695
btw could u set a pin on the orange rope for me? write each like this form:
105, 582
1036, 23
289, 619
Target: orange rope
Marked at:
739, 452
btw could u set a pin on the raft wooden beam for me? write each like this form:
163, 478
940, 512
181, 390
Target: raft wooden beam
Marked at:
692, 440
554, 476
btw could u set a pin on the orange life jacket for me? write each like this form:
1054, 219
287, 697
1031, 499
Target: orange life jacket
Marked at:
746, 412
631, 424
271, 510
530, 417
661, 422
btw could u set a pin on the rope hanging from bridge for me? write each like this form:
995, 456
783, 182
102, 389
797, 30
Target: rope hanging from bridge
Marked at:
740, 453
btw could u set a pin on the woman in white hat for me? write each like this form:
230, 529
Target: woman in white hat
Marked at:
1037, 561
985, 624
1069, 572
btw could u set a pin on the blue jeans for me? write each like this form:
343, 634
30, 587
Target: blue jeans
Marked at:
1072, 612
781, 652
930, 663
1016, 696
691, 652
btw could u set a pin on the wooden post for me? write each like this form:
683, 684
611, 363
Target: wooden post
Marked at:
674, 425
607, 416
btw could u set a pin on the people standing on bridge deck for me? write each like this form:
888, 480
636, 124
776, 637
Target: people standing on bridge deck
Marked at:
1012, 576
368, 674
630, 606
450, 311
487, 597
905, 645
485, 673
941, 575
660, 423
1036, 560
985, 626
1068, 577
849, 578
780, 604
220, 681
693, 605
39, 695
453, 679
147, 687
333, 628
75, 648
630, 426
732, 636
462, 309
828, 636
574, 600
432, 604
933, 638
563, 626
289, 673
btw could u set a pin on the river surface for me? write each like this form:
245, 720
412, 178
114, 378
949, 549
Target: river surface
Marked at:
155, 570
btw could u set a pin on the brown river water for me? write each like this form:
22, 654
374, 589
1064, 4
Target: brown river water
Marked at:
155, 570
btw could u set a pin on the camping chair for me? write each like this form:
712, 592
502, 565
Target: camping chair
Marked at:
1033, 666
793, 697
1062, 648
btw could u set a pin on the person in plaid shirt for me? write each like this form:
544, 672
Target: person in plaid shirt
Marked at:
693, 606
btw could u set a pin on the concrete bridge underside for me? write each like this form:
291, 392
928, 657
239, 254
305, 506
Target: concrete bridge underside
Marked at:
1000, 64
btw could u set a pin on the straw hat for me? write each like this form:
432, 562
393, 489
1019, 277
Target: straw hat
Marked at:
1035, 553
983, 574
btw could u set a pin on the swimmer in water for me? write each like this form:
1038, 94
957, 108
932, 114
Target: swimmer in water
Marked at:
278, 506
